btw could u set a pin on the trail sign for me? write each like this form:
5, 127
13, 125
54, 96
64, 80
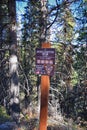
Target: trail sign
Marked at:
45, 61
45, 84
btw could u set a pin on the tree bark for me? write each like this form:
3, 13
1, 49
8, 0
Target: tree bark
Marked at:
13, 63
43, 21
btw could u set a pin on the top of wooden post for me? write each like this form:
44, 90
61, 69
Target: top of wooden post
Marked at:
46, 45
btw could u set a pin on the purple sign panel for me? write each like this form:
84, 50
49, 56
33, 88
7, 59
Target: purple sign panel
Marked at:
45, 61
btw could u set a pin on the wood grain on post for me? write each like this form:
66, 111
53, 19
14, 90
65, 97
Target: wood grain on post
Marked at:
45, 84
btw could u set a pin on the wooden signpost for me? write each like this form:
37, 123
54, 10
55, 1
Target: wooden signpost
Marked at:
45, 84
45, 60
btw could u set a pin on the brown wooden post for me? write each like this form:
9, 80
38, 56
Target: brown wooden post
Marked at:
45, 84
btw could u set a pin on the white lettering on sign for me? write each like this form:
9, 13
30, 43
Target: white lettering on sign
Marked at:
45, 61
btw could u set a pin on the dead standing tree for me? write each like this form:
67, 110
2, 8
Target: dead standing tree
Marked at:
13, 62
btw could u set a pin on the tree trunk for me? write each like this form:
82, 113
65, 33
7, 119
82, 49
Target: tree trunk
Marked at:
43, 21
13, 63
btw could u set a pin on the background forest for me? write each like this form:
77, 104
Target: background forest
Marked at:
24, 26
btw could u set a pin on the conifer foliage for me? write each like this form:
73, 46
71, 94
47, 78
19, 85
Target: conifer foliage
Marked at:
64, 24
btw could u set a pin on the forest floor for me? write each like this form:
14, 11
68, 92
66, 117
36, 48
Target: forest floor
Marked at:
28, 122
33, 124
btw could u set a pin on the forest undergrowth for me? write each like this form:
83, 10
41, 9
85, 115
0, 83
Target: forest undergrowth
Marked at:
30, 121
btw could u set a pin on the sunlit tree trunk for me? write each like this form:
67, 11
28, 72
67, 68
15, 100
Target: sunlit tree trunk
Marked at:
13, 62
